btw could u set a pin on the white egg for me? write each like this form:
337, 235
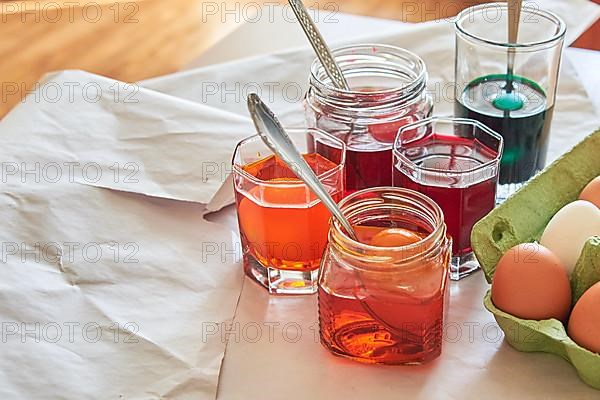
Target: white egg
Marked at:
569, 229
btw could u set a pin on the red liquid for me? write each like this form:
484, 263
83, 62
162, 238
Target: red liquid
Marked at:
364, 169
411, 333
369, 154
374, 320
462, 206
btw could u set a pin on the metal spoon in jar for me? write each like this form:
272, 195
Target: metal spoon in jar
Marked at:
514, 15
274, 136
333, 71
272, 133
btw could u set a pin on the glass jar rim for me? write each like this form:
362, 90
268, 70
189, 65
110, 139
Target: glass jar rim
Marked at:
438, 230
550, 16
317, 71
287, 184
450, 120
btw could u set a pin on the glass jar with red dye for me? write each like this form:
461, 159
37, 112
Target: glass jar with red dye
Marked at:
454, 161
387, 91
382, 299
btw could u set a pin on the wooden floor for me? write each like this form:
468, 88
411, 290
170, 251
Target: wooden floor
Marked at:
137, 39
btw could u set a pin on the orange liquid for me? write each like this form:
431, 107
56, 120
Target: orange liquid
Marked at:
284, 227
373, 322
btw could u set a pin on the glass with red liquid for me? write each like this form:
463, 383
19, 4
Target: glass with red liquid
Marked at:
283, 226
455, 161
384, 301
387, 90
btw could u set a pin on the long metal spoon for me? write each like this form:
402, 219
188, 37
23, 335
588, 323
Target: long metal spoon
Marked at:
333, 71
274, 136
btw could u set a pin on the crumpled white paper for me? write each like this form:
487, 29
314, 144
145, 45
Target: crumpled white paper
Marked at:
121, 136
108, 294
114, 285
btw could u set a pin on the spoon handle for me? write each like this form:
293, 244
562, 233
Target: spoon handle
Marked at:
514, 16
318, 44
274, 136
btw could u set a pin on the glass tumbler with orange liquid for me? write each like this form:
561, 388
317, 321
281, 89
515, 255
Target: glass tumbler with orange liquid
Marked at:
283, 226
382, 300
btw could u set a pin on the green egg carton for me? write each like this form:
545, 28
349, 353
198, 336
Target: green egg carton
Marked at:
521, 219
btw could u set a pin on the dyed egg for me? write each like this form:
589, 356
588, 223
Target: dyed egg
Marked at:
394, 237
569, 229
531, 283
591, 192
584, 324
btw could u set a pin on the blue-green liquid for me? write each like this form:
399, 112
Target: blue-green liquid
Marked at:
524, 127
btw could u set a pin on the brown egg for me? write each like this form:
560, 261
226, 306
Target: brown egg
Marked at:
591, 192
531, 283
584, 324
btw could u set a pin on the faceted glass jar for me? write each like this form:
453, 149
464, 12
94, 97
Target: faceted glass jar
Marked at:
387, 91
454, 161
385, 305
283, 225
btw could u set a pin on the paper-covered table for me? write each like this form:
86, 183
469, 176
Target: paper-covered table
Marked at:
123, 280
